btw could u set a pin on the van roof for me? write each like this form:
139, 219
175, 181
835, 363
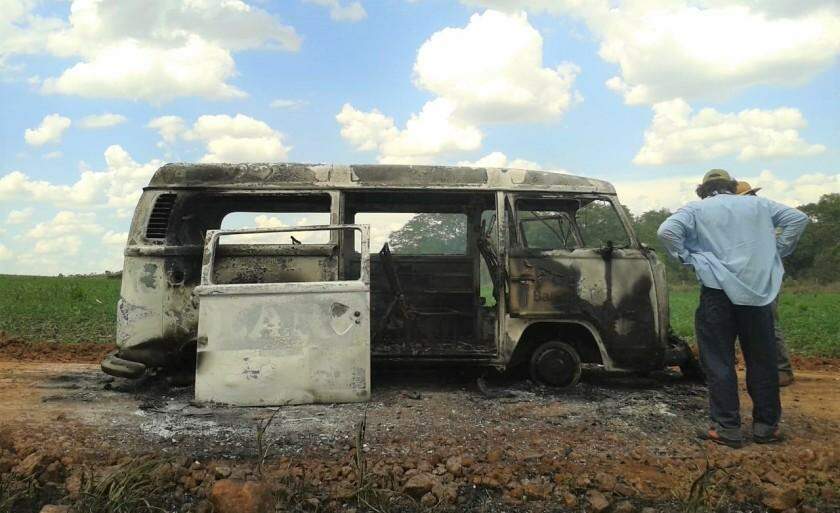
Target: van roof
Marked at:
327, 176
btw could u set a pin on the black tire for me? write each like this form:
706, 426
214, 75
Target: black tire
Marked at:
555, 364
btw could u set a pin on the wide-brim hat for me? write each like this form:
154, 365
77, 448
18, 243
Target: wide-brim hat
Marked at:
745, 189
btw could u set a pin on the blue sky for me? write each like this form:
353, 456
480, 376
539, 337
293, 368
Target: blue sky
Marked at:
614, 90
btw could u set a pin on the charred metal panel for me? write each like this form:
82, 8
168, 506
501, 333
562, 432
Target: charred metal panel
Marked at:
283, 343
613, 294
312, 176
430, 175
140, 308
275, 268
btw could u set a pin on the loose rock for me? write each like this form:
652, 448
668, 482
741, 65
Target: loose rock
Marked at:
596, 501
31, 465
780, 499
624, 507
453, 465
420, 484
606, 482
428, 500
232, 496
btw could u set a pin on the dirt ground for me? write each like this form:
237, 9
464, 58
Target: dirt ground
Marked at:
438, 440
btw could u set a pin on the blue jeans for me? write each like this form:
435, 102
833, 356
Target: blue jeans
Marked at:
718, 322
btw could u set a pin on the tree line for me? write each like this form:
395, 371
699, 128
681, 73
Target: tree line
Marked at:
817, 257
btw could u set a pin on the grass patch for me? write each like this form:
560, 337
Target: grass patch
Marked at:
16, 490
63, 309
809, 318
83, 309
129, 488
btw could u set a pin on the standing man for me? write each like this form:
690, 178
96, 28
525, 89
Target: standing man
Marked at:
783, 356
729, 240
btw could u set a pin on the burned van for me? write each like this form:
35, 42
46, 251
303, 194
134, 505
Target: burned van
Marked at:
315, 270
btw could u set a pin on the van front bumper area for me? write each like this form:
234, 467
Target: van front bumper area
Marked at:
122, 368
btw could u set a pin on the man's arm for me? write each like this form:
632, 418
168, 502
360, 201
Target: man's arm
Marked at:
673, 232
791, 221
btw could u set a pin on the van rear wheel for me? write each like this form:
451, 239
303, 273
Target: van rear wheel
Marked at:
556, 364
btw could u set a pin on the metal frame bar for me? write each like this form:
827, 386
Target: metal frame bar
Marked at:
213, 236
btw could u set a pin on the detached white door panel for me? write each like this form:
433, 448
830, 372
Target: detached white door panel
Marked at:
283, 343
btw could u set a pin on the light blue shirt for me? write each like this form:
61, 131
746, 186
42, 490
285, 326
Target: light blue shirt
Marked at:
732, 244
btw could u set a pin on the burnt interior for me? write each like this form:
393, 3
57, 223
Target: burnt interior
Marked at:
428, 304
442, 309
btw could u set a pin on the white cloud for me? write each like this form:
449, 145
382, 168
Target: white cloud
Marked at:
432, 132
238, 139
65, 245
282, 103
351, 11
118, 187
52, 155
22, 32
492, 70
113, 238
104, 120
130, 70
672, 193
19, 216
66, 222
365, 130
152, 50
169, 127
702, 48
675, 135
478, 77
50, 130
5, 253
499, 159
63, 234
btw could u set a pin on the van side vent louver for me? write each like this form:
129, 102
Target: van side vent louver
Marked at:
159, 219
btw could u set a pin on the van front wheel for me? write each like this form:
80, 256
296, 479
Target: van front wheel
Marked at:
556, 364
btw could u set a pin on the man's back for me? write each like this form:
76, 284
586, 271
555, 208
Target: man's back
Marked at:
731, 242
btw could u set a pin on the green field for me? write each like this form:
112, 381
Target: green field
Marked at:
62, 309
83, 309
810, 320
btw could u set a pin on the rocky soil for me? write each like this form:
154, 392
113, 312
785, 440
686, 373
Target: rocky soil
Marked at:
438, 440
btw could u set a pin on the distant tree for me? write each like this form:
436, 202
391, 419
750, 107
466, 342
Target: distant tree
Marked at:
817, 256
431, 234
600, 225
646, 226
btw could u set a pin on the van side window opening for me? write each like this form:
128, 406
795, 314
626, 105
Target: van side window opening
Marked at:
279, 257
196, 213
239, 220
600, 225
416, 233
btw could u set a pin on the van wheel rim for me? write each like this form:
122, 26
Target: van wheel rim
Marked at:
557, 367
